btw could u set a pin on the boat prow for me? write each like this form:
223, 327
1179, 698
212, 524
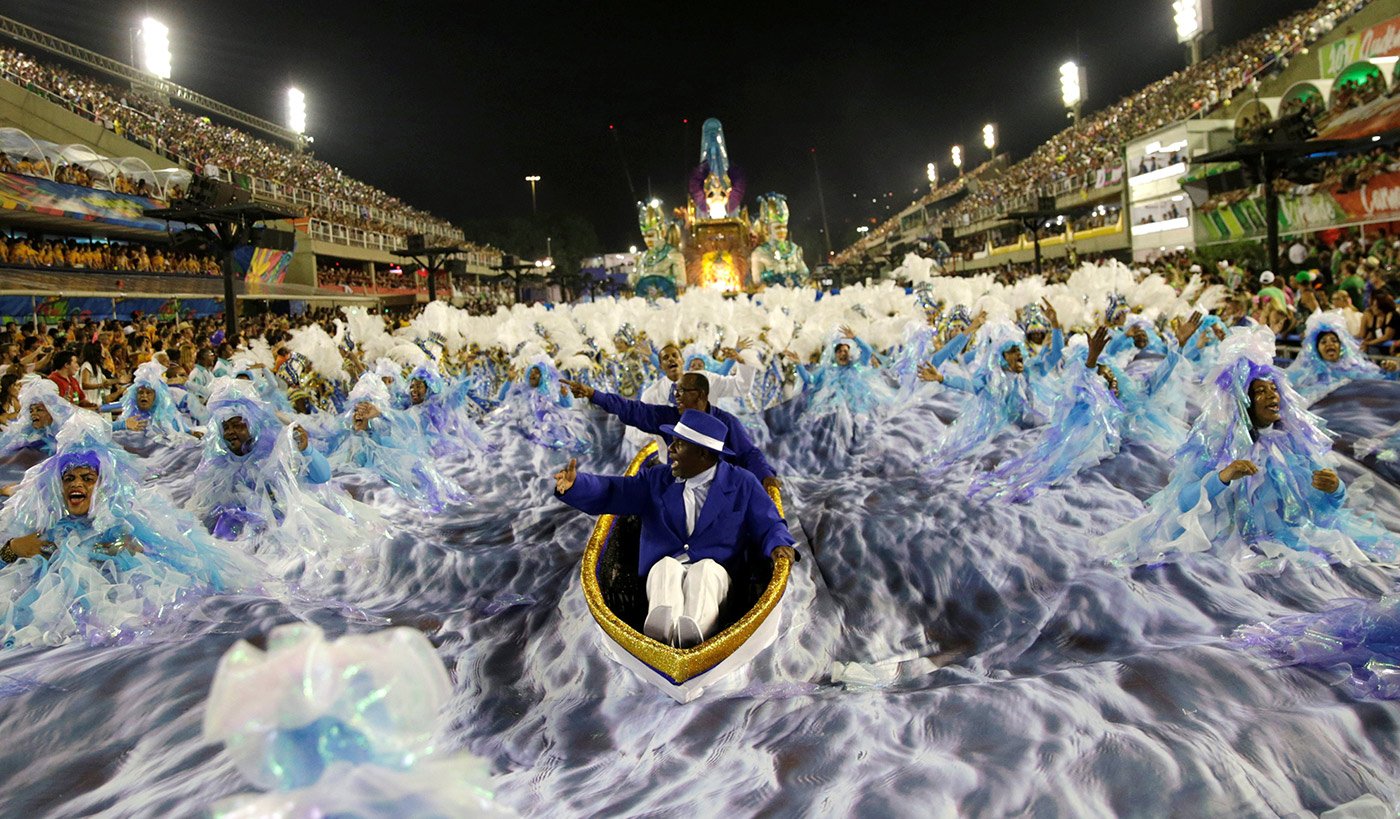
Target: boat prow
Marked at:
617, 601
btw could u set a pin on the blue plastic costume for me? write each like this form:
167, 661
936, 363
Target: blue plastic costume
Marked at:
447, 426
21, 433
854, 386
1001, 398
1261, 520
1358, 638
163, 420
274, 494
393, 449
1314, 377
539, 412
129, 559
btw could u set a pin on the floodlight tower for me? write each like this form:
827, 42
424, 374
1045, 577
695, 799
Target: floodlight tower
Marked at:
155, 47
533, 179
1072, 82
932, 177
1194, 20
989, 138
957, 158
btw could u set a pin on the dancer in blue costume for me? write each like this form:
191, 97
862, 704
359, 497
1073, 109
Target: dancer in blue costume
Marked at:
1099, 409
384, 442
844, 394
921, 348
538, 410
1001, 393
93, 554
148, 406
1045, 341
42, 412
266, 483
198, 382
447, 426
1254, 482
1330, 357
1203, 347
391, 373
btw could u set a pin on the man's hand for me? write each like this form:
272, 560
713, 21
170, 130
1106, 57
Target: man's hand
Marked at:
1187, 328
135, 424
847, 332
928, 372
1239, 469
30, 545
579, 389
299, 436
1390, 365
564, 478
1097, 342
772, 482
785, 551
1050, 315
977, 322
1325, 480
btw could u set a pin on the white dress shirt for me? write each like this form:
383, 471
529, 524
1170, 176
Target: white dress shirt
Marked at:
697, 488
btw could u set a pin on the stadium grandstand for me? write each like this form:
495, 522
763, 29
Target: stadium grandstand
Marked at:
1134, 181
89, 144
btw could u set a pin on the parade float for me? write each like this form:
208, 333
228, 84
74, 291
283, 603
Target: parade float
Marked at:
712, 242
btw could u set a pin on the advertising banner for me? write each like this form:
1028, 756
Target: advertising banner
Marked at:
1380, 40
30, 193
53, 309
1376, 201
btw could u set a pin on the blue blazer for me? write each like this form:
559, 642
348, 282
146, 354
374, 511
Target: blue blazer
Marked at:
738, 517
650, 417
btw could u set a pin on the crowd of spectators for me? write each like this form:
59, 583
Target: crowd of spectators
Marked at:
71, 173
199, 144
132, 257
1353, 94
1094, 145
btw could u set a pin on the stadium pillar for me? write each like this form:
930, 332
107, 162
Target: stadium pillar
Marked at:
1271, 219
230, 301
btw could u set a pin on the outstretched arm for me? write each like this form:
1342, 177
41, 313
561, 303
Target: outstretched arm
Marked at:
601, 494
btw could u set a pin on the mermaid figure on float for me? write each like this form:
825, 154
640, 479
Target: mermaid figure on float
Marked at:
660, 269
778, 260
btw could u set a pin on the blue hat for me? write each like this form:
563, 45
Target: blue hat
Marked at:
701, 429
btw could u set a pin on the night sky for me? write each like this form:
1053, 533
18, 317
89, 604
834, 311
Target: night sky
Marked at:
450, 106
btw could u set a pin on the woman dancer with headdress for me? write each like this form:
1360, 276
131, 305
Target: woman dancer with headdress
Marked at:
148, 406
91, 553
1254, 482
1099, 409
1330, 357
42, 412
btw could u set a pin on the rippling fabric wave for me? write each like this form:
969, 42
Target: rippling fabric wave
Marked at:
938, 655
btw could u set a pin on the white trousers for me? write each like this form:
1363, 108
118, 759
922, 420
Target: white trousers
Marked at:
692, 590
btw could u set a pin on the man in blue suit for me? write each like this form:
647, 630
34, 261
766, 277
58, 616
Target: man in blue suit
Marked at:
692, 393
699, 514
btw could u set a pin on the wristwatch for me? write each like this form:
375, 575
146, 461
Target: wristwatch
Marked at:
7, 554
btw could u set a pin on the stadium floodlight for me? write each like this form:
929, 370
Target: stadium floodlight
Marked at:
932, 175
1193, 21
989, 136
296, 110
957, 158
1072, 82
155, 47
533, 179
